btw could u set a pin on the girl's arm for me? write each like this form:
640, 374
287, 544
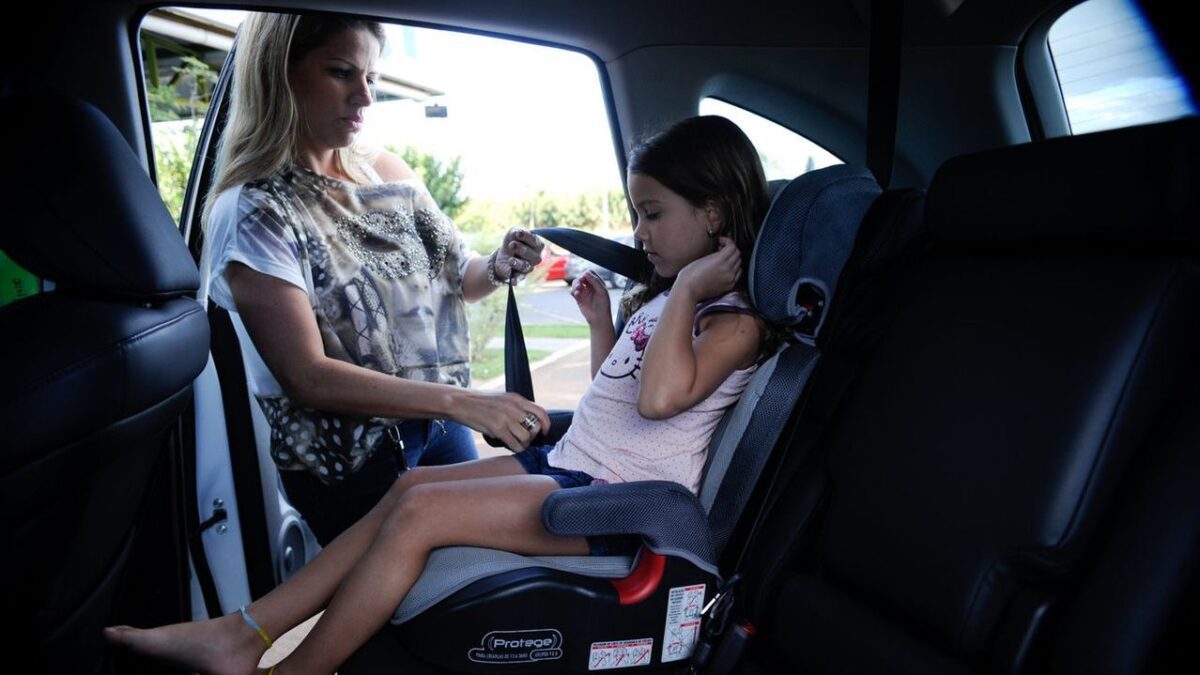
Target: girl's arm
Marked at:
603, 337
592, 298
281, 324
679, 371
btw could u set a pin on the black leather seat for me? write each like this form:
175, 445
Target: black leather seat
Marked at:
95, 372
1010, 481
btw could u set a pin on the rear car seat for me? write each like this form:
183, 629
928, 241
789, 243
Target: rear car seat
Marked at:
1009, 482
96, 373
482, 610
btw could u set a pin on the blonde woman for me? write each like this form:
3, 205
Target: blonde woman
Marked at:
344, 280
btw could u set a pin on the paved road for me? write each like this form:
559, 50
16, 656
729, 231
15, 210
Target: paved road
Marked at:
552, 303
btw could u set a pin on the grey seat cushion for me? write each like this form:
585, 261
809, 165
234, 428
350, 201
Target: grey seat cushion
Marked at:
455, 567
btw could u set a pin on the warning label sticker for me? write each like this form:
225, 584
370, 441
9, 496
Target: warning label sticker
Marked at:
621, 654
683, 622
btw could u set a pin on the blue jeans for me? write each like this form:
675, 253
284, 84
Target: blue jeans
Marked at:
330, 509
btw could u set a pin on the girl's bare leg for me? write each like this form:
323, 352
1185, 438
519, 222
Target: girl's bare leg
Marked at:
503, 513
227, 645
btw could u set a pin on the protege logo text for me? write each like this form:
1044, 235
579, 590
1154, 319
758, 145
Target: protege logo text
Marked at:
518, 646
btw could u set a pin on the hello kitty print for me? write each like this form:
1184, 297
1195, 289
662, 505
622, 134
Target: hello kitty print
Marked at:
612, 442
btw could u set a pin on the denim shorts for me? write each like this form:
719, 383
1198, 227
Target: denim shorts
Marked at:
533, 460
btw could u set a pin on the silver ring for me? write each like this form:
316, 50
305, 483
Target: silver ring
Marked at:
530, 422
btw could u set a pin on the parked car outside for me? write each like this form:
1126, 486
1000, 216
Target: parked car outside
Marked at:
553, 266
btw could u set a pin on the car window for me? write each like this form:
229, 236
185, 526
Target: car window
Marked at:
503, 133
1111, 69
182, 55
784, 153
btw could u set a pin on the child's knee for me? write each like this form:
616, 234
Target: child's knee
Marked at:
411, 503
401, 485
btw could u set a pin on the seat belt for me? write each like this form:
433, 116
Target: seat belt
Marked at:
517, 377
883, 87
624, 260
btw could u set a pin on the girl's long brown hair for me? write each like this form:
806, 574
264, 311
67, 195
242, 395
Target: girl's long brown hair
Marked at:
706, 159
709, 159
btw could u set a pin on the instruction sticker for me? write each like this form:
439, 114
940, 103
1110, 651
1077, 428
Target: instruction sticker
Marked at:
621, 654
683, 622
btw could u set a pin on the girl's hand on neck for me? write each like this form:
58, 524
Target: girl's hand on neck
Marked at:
712, 275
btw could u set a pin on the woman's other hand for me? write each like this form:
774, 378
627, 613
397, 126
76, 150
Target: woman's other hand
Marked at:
712, 275
506, 416
592, 297
519, 253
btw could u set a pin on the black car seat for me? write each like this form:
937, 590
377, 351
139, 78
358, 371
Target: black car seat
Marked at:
95, 372
482, 610
1010, 482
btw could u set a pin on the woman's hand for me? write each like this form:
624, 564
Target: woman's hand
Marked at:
592, 298
713, 275
518, 254
508, 417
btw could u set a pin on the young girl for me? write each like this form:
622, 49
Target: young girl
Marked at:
659, 389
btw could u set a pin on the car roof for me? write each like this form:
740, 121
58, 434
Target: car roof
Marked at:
802, 64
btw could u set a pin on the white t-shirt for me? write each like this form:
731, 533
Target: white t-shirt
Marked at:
275, 253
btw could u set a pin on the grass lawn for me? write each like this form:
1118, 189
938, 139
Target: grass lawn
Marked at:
492, 363
556, 331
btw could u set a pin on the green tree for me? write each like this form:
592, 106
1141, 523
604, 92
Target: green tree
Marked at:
184, 99
186, 95
444, 180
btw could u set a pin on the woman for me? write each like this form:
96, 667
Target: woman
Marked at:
345, 278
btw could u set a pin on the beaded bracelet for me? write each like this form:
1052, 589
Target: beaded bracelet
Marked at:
491, 270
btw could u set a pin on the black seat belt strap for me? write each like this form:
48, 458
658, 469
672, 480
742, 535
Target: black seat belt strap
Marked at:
617, 257
624, 260
883, 87
517, 377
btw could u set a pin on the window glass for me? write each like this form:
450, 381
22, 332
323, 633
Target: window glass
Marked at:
785, 153
182, 55
503, 133
1111, 69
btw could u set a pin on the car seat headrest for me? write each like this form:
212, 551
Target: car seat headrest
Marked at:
1137, 184
805, 240
83, 212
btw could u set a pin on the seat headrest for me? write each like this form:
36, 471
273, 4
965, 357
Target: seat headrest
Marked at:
1138, 184
805, 240
82, 211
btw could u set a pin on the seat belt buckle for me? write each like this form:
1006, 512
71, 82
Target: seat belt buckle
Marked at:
710, 648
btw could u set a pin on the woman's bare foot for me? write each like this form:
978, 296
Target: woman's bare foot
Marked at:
222, 646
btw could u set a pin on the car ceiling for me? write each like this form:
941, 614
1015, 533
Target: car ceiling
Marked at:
611, 28
800, 63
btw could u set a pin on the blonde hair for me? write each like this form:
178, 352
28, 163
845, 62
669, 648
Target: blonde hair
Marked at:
264, 128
